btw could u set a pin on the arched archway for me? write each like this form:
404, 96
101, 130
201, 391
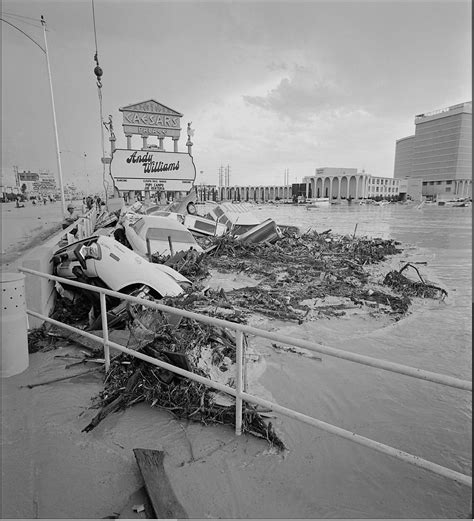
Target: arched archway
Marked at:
335, 187
352, 187
326, 187
344, 187
319, 188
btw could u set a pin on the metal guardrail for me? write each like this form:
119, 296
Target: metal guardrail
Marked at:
238, 392
85, 225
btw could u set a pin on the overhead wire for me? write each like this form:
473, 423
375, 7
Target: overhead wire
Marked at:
23, 32
21, 16
38, 25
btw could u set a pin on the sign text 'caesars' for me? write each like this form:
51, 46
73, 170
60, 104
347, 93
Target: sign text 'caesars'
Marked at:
152, 120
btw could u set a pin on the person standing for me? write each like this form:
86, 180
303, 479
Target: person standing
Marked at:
71, 216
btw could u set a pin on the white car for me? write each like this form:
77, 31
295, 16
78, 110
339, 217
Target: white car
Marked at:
157, 234
196, 224
119, 268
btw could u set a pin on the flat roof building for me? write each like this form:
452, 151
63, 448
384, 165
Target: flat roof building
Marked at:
439, 153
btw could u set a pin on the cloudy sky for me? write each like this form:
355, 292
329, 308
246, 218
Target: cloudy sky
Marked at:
268, 85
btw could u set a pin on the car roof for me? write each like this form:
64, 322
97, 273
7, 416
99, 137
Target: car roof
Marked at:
157, 221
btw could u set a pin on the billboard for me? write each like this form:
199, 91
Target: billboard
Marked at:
152, 170
150, 118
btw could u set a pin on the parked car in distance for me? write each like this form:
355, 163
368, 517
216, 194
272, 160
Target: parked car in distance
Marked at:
158, 234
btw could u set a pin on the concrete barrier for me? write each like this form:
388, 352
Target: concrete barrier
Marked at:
14, 325
40, 293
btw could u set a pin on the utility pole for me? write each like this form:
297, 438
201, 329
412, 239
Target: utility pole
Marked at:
58, 157
287, 182
227, 176
17, 177
221, 176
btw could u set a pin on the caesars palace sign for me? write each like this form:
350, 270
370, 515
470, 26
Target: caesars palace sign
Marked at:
150, 118
152, 169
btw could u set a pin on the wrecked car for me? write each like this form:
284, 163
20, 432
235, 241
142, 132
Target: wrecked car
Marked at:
236, 217
265, 231
153, 234
204, 227
196, 224
103, 261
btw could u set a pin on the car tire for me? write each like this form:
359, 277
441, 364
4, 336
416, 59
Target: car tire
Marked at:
191, 209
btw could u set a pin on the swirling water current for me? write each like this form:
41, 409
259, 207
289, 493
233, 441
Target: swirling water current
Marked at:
422, 418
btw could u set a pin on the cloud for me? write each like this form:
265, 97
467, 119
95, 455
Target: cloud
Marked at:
301, 95
277, 66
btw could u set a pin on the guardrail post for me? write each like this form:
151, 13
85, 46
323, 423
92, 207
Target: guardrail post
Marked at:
238, 382
105, 331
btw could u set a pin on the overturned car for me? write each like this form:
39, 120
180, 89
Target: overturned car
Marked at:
103, 261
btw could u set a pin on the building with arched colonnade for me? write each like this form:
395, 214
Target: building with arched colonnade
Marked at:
338, 183
333, 183
255, 193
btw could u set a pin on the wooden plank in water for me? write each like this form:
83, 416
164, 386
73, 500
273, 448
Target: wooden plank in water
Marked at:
160, 492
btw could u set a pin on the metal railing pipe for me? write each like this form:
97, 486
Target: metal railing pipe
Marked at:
141, 356
338, 431
361, 440
238, 383
105, 331
421, 374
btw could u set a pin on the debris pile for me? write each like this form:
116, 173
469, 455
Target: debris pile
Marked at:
297, 278
204, 350
189, 263
296, 270
410, 288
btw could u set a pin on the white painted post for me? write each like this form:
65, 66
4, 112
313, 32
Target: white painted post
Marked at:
14, 322
238, 383
105, 331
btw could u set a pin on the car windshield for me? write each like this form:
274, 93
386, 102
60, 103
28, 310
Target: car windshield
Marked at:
162, 234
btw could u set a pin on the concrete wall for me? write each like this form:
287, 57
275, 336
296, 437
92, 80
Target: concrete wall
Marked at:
40, 294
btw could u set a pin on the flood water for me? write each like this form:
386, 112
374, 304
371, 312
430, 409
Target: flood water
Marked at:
57, 471
422, 418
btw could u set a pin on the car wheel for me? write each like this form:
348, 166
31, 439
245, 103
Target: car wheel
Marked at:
191, 209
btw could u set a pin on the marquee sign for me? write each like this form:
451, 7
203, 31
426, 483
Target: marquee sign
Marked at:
150, 118
152, 170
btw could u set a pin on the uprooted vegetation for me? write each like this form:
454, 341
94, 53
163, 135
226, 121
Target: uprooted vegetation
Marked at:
295, 280
205, 350
293, 272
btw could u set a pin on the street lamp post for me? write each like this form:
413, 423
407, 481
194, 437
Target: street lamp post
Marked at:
45, 50
58, 157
